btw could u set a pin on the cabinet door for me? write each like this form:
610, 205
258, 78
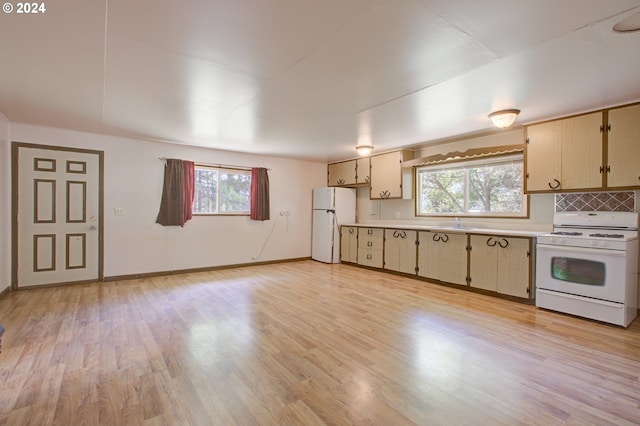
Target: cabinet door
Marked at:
362, 170
428, 255
453, 258
514, 262
483, 262
387, 174
349, 244
342, 173
443, 257
623, 147
582, 151
542, 155
400, 250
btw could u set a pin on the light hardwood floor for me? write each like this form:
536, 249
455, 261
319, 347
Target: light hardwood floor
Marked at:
304, 343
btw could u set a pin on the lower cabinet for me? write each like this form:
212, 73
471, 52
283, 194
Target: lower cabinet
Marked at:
501, 264
400, 250
349, 244
443, 256
370, 247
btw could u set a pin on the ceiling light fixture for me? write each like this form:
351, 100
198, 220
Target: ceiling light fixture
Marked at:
629, 24
504, 118
364, 150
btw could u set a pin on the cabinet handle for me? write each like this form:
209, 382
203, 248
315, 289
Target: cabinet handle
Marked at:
557, 185
506, 243
369, 231
385, 194
436, 237
403, 235
489, 240
366, 178
369, 256
369, 243
396, 234
445, 238
351, 230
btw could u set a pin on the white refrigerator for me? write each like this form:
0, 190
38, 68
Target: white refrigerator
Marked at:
332, 207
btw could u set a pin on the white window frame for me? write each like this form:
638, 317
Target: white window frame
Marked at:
222, 170
466, 165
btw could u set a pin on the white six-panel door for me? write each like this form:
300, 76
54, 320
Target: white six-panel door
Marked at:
58, 216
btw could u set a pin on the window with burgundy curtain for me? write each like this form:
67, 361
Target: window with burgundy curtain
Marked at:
259, 194
177, 193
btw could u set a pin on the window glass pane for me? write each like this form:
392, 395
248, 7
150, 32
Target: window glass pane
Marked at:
442, 191
235, 192
579, 271
205, 191
488, 187
495, 188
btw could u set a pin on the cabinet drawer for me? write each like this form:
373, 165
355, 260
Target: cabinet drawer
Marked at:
370, 232
370, 257
368, 242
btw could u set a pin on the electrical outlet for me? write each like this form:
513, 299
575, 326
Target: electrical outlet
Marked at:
286, 212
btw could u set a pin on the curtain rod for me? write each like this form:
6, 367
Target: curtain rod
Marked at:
221, 166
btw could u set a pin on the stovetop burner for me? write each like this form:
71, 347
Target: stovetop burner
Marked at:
607, 235
566, 233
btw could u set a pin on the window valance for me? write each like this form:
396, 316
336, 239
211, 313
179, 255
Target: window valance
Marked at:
470, 154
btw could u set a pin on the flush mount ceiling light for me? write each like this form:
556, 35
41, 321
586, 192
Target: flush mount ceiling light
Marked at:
629, 24
364, 150
504, 118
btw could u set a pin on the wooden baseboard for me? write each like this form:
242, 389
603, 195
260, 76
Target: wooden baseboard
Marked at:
5, 291
194, 270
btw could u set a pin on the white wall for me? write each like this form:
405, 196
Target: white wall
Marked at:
133, 175
5, 204
541, 206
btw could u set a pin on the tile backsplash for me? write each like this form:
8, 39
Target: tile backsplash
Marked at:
596, 201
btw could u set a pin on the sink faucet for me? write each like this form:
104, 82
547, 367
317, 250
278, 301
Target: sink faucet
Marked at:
458, 224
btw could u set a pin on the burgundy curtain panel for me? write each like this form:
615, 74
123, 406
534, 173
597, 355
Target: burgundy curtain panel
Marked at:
259, 194
177, 193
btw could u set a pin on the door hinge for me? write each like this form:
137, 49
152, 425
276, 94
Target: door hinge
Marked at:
528, 254
468, 280
527, 141
527, 175
608, 169
417, 269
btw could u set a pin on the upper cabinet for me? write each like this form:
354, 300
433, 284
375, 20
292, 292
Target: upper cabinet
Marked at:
342, 173
348, 173
595, 151
362, 171
623, 147
564, 155
388, 178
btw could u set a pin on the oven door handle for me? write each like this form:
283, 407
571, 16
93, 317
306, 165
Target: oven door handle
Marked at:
584, 250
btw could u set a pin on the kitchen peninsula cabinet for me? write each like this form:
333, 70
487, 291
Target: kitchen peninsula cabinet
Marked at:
342, 173
388, 178
349, 244
565, 154
370, 247
623, 147
400, 250
501, 264
443, 256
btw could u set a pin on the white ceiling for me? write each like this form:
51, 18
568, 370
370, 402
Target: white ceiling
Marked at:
309, 79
